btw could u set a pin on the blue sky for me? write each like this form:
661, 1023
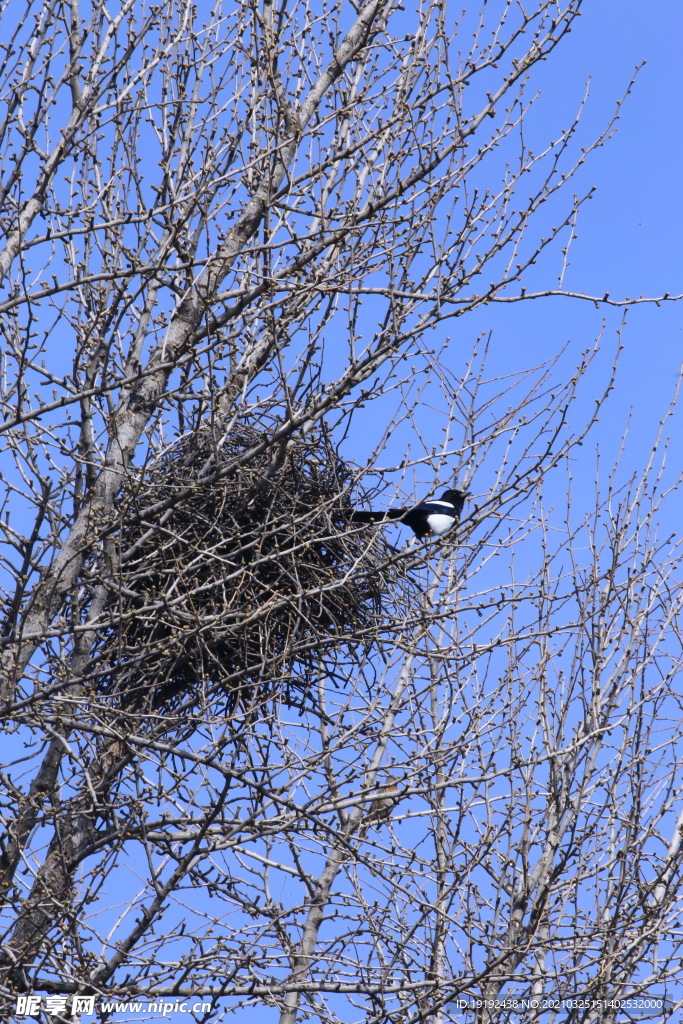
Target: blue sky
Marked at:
628, 237
629, 234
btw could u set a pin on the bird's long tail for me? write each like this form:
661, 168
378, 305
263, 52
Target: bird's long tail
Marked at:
377, 517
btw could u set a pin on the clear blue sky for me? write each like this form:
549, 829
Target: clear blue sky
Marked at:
629, 237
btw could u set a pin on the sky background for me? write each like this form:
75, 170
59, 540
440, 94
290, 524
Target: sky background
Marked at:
629, 235
628, 244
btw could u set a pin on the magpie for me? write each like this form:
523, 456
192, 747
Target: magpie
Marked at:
436, 516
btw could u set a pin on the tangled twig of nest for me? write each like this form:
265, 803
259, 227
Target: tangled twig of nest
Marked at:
237, 573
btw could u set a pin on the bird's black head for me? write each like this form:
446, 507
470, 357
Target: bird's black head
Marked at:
454, 497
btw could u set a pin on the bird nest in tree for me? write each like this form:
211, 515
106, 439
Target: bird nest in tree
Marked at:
238, 574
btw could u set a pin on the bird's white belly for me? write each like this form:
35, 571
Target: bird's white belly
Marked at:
439, 523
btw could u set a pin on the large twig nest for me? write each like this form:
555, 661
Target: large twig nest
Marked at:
239, 573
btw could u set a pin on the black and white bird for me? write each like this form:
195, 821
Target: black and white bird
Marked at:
435, 516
